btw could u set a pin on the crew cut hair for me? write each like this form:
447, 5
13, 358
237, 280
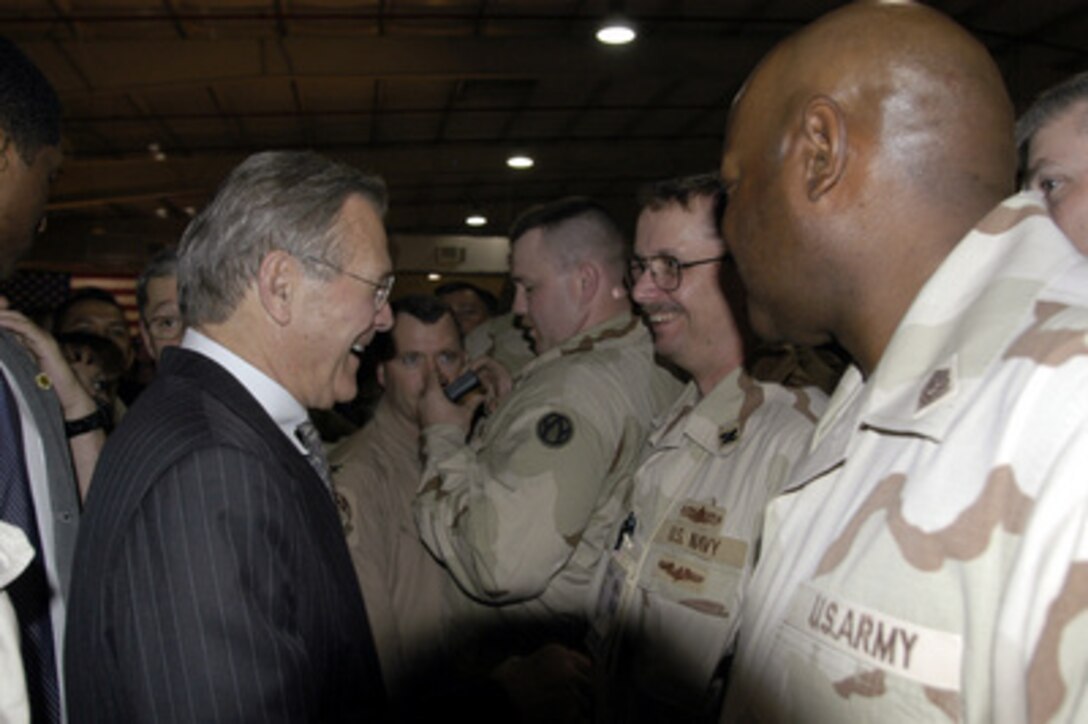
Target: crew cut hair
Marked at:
575, 228
422, 307
29, 107
274, 200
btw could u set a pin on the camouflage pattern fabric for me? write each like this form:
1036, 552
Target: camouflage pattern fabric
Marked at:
669, 595
518, 515
503, 341
929, 561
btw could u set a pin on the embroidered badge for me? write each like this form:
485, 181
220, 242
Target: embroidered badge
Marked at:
728, 436
937, 386
343, 507
555, 429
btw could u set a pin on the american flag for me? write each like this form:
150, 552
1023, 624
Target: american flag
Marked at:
36, 293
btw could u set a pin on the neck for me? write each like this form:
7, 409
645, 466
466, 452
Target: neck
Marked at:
707, 380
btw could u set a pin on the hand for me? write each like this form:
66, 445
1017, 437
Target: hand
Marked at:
74, 398
495, 378
435, 408
552, 684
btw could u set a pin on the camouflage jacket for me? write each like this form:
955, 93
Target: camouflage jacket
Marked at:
517, 514
929, 561
669, 595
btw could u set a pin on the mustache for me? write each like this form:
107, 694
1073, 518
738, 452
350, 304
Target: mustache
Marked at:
660, 307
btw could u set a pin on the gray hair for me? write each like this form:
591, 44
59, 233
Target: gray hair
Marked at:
575, 229
275, 200
1050, 104
163, 264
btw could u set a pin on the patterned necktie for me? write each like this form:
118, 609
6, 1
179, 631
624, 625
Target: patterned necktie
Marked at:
30, 591
315, 453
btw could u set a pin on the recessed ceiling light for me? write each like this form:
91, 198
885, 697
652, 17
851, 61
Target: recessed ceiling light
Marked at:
432, 277
519, 162
162, 212
475, 219
616, 31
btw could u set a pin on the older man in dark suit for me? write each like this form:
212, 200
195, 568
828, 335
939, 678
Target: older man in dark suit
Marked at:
212, 579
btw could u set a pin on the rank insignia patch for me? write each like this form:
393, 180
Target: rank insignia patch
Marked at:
555, 429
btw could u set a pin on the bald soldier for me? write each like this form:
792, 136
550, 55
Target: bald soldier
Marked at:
518, 513
928, 561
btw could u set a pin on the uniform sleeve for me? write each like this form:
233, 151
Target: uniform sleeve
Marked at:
506, 519
204, 599
1041, 669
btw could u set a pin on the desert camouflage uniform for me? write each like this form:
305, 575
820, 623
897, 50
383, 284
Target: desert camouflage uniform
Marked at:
503, 341
375, 475
670, 592
929, 561
519, 515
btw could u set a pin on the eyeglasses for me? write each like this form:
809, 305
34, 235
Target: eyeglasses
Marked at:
165, 327
382, 289
665, 270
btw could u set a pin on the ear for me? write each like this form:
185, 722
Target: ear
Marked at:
824, 146
589, 280
278, 281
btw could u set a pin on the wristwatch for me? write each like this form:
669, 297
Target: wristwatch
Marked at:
100, 418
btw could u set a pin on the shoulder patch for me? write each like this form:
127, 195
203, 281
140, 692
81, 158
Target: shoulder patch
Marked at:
555, 429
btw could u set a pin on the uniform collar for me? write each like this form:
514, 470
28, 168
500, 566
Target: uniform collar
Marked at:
620, 329
966, 314
714, 422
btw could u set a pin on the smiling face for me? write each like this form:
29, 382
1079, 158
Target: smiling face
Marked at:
547, 296
420, 348
692, 324
1058, 167
23, 192
338, 314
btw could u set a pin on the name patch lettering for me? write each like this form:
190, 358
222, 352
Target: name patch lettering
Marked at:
926, 655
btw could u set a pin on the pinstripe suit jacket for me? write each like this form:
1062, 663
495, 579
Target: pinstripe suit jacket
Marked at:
212, 581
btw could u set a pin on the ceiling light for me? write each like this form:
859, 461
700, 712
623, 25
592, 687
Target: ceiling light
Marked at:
616, 31
162, 212
475, 219
519, 162
432, 277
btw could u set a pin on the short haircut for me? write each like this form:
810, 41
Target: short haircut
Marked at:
575, 228
681, 190
163, 264
82, 295
423, 307
1050, 104
29, 107
274, 200
489, 300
